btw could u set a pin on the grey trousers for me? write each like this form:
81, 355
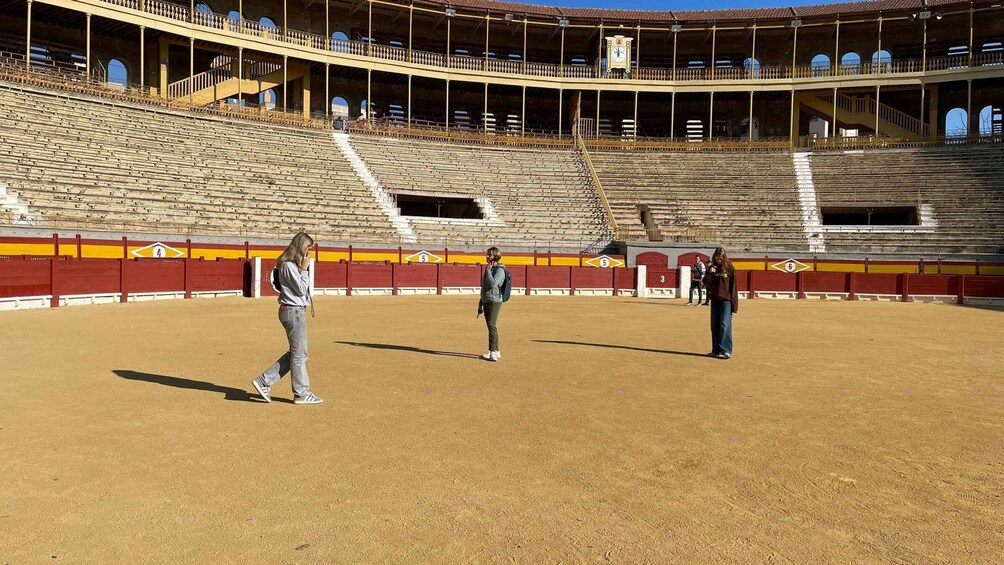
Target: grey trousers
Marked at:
492, 311
294, 321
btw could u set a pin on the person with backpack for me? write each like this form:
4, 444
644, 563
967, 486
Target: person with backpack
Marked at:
495, 288
292, 281
697, 281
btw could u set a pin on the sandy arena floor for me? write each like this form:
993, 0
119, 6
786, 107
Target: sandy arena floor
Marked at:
841, 432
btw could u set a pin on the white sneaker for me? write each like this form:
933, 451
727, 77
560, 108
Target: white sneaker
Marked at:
309, 398
487, 356
263, 391
495, 356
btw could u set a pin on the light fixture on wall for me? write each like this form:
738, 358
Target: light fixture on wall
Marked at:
796, 23
562, 22
508, 17
450, 12
676, 28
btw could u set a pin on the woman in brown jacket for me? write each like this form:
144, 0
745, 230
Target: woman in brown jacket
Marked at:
720, 282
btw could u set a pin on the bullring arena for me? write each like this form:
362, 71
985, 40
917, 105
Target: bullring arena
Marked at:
158, 156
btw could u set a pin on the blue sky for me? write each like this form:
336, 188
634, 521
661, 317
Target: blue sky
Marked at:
675, 4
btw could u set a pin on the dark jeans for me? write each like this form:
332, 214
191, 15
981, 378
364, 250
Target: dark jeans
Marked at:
695, 285
491, 320
721, 327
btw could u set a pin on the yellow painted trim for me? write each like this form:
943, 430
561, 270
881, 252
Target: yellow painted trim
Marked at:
25, 249
91, 251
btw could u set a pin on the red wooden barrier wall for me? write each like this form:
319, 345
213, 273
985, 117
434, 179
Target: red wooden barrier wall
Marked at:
60, 276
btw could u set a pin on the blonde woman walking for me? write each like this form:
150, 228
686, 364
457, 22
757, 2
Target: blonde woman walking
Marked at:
292, 280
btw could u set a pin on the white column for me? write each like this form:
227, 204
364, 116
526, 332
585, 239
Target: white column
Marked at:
27, 48
684, 281
642, 286
256, 277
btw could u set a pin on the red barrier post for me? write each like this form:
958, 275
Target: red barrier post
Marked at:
55, 245
751, 292
393, 278
247, 250
188, 289
527, 277
939, 265
125, 247
961, 299
400, 254
54, 280
571, 281
850, 286
446, 254
80, 252
348, 274
123, 296
905, 281
799, 289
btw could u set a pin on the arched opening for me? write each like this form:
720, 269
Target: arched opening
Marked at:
991, 121
744, 129
850, 63
117, 73
203, 9
881, 60
820, 65
340, 42
340, 107
752, 67
363, 109
235, 17
267, 99
268, 25
956, 123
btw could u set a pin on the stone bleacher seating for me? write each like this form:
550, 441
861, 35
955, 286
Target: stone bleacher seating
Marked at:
538, 194
746, 200
963, 185
88, 164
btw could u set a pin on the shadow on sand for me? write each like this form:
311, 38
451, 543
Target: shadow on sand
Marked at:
629, 347
409, 348
229, 393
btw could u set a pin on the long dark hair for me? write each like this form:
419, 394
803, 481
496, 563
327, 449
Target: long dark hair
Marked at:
721, 255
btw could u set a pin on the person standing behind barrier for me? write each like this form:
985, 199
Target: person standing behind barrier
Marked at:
697, 281
491, 300
292, 280
723, 293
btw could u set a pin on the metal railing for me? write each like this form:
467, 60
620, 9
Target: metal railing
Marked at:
465, 62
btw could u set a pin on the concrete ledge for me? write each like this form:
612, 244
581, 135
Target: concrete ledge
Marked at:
25, 302
147, 296
330, 292
467, 290
594, 292
81, 299
984, 301
407, 291
933, 298
661, 292
550, 291
777, 295
217, 293
880, 297
827, 295
372, 291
